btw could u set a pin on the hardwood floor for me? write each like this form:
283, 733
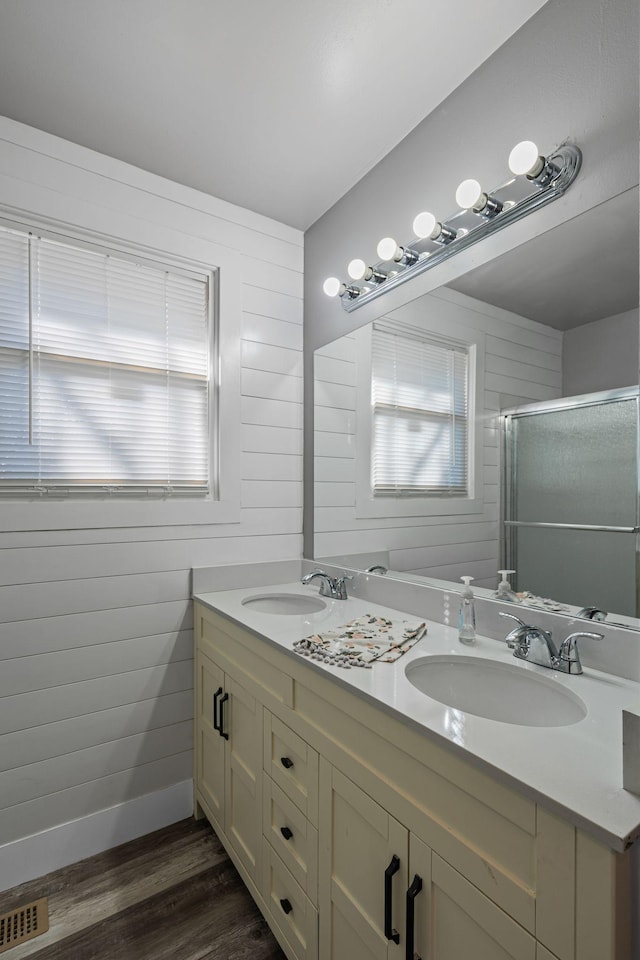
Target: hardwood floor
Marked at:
172, 895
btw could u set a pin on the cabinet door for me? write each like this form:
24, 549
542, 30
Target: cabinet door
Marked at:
363, 853
453, 920
209, 746
242, 722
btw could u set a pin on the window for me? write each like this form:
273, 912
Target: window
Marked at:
420, 409
105, 363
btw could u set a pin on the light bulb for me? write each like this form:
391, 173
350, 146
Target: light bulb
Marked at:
388, 249
525, 159
468, 194
331, 286
357, 269
424, 224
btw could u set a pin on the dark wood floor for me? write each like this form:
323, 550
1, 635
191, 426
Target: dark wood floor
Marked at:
172, 895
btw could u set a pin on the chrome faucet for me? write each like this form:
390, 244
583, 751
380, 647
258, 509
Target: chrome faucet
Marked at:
334, 587
530, 643
536, 645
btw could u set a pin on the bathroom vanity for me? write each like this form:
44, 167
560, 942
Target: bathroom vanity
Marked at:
369, 820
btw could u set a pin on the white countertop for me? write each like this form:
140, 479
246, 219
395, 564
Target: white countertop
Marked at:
575, 770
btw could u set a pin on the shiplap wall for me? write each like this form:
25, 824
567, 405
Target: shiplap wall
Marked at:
95, 623
522, 362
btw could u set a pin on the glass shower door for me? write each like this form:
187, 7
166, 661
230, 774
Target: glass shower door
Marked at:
571, 500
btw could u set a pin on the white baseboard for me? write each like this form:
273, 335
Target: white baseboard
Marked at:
39, 854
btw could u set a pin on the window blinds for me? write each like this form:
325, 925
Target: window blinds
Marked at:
419, 396
104, 372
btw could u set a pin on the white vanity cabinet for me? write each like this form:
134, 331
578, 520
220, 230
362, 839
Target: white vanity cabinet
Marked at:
331, 788
385, 894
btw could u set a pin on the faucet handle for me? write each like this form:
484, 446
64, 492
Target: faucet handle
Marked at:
568, 656
327, 583
517, 636
510, 616
341, 586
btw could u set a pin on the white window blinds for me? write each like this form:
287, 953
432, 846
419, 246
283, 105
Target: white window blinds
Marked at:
104, 372
419, 396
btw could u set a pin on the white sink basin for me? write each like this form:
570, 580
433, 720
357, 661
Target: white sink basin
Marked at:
496, 690
289, 604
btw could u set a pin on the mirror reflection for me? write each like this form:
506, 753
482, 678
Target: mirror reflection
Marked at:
529, 462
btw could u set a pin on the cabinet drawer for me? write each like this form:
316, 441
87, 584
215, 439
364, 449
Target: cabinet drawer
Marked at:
292, 764
291, 835
289, 907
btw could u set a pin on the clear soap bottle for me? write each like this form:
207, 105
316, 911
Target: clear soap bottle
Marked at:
467, 615
504, 591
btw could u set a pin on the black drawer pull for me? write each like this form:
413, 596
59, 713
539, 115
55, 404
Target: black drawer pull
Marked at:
286, 905
286, 762
389, 932
286, 833
220, 720
412, 893
216, 723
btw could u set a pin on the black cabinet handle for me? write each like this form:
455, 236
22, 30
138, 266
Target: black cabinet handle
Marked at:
286, 762
412, 893
216, 722
286, 905
389, 932
286, 833
220, 720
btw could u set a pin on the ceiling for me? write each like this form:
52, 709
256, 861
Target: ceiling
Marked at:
278, 106
583, 270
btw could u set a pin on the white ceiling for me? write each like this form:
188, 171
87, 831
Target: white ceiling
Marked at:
584, 270
280, 106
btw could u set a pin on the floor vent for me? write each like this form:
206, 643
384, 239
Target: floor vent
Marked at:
22, 924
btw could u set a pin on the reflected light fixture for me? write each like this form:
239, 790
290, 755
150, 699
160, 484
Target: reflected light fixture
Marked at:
480, 213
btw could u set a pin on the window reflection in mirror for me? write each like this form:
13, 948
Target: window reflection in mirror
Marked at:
557, 317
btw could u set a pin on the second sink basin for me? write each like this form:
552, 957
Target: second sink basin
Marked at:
290, 604
496, 691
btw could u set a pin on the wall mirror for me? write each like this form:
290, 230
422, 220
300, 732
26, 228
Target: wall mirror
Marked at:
550, 330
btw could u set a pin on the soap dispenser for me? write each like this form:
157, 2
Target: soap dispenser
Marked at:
504, 591
467, 616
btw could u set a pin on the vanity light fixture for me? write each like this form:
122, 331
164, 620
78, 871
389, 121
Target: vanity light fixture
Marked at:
426, 227
358, 270
334, 288
388, 249
537, 181
525, 161
471, 196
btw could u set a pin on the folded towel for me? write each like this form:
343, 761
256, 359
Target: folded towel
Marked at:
361, 641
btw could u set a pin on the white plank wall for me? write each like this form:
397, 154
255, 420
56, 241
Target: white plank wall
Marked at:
523, 362
96, 699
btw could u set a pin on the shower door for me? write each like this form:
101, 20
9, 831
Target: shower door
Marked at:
570, 501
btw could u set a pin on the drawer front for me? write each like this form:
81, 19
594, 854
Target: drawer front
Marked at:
291, 835
292, 764
289, 908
